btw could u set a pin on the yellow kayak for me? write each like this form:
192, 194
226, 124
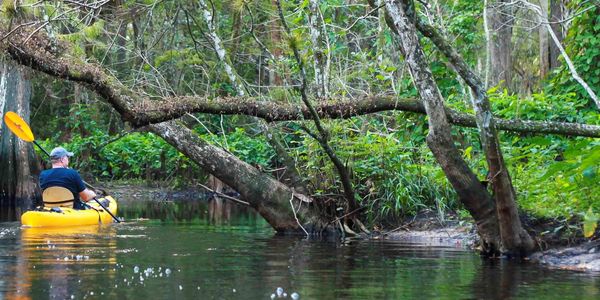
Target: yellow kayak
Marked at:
47, 217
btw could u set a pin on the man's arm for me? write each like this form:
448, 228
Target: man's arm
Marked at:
86, 195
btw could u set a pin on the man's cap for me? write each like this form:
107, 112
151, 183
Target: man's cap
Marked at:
59, 152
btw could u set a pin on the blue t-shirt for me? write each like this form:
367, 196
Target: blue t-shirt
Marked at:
67, 178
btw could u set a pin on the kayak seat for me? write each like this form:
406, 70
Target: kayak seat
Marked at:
57, 196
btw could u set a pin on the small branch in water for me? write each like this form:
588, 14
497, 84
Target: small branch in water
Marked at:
224, 196
295, 215
349, 214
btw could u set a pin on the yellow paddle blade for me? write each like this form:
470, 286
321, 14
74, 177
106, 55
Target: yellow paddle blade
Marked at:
18, 126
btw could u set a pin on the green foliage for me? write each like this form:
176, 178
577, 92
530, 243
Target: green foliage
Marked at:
590, 222
544, 107
392, 175
553, 176
583, 47
86, 35
9, 8
254, 150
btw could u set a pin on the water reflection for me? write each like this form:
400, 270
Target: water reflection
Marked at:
501, 279
219, 210
7, 213
214, 211
392, 270
51, 259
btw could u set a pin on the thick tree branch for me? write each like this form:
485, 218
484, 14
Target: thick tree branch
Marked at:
139, 110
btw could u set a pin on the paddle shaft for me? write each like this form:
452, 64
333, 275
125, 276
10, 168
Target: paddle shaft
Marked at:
42, 148
106, 210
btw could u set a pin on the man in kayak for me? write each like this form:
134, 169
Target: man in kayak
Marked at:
61, 175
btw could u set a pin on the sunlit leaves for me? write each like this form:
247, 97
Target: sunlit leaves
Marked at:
590, 222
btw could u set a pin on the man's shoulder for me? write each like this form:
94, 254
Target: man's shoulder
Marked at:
60, 172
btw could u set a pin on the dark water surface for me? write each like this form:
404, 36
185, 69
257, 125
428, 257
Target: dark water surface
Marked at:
191, 250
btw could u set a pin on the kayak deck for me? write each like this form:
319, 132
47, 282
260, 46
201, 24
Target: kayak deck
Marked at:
47, 217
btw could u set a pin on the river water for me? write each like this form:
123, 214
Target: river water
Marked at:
192, 250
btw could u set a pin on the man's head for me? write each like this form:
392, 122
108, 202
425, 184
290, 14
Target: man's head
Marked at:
60, 155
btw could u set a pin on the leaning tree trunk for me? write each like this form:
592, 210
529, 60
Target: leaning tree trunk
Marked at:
439, 139
19, 190
515, 241
272, 199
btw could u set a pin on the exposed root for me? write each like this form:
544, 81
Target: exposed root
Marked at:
362, 226
348, 230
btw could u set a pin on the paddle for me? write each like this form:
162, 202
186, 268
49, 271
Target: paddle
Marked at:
21, 129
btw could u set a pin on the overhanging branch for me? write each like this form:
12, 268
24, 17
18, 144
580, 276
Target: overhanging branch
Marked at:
139, 110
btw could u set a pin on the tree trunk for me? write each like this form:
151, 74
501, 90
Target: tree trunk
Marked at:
439, 139
235, 33
544, 45
318, 54
275, 42
501, 19
19, 190
556, 17
220, 50
80, 97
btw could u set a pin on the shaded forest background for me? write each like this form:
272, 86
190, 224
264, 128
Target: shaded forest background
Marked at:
165, 48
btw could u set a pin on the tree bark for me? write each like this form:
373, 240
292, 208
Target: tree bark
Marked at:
556, 19
318, 54
20, 168
275, 42
220, 50
544, 45
235, 33
501, 19
439, 139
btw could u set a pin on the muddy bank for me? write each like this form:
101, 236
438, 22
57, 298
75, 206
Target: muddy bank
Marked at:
458, 236
426, 229
585, 257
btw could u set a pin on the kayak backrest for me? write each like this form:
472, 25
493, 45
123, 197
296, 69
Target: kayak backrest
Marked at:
57, 196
